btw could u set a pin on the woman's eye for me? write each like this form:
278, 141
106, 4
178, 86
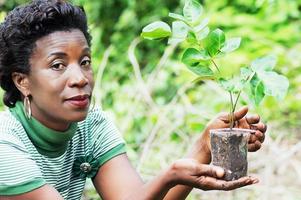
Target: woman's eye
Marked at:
86, 64
58, 66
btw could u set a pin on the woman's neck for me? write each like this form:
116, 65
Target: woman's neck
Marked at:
48, 141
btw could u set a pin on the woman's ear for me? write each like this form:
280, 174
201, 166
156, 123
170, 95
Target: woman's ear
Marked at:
21, 82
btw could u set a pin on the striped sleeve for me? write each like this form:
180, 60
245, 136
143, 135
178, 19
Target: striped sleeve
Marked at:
107, 141
18, 171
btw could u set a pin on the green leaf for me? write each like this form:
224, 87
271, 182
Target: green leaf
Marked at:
274, 84
156, 30
257, 89
179, 32
266, 63
202, 25
192, 11
234, 85
202, 34
202, 78
215, 41
177, 17
191, 38
201, 70
226, 84
245, 72
193, 56
231, 45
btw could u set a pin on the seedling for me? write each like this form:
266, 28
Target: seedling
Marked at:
204, 47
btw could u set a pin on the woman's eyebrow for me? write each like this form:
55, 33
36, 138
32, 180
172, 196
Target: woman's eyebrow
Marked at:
86, 50
63, 54
60, 54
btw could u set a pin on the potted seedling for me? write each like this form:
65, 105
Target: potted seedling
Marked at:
203, 47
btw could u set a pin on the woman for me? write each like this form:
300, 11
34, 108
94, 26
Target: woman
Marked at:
49, 140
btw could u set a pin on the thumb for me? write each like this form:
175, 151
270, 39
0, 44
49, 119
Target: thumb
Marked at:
240, 113
210, 170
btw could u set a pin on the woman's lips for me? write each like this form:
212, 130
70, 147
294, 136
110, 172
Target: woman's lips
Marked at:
79, 101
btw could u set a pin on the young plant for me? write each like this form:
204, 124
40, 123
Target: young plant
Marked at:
205, 46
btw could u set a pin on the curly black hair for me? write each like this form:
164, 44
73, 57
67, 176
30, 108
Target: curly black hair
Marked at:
22, 27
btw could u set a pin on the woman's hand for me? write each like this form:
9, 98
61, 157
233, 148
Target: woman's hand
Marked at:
191, 173
223, 121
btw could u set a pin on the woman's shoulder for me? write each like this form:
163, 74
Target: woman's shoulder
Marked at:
8, 123
10, 128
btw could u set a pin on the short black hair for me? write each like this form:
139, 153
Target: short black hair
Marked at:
22, 27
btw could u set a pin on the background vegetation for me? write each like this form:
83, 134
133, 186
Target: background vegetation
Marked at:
160, 112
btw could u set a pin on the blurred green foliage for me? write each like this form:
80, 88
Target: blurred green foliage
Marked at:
266, 26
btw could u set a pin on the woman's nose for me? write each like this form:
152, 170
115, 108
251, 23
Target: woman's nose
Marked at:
77, 77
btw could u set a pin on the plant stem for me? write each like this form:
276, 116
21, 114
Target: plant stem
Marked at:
215, 65
235, 104
233, 107
231, 112
239, 93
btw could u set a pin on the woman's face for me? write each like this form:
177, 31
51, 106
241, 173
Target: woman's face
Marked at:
61, 80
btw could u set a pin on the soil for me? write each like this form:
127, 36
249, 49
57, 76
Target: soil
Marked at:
229, 150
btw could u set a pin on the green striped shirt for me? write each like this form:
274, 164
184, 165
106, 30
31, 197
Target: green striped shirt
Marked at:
23, 168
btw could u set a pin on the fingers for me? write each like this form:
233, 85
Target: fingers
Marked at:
255, 124
252, 122
209, 170
239, 114
210, 183
257, 138
253, 119
244, 181
260, 135
254, 146
206, 177
260, 126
